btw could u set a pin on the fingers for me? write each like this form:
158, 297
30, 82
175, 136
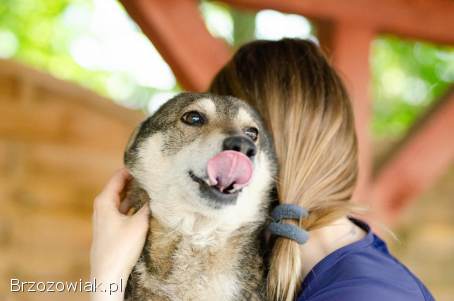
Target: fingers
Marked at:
110, 195
125, 206
143, 212
140, 220
116, 183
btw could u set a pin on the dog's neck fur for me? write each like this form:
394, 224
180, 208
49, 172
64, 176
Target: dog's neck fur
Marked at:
202, 229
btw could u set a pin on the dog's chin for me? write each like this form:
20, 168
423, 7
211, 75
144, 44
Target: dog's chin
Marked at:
216, 198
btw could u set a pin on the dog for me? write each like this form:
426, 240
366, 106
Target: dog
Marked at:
205, 165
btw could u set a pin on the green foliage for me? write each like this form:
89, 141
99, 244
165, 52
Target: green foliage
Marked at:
43, 39
407, 78
243, 27
234, 26
41, 33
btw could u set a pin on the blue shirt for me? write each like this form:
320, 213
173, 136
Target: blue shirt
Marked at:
362, 271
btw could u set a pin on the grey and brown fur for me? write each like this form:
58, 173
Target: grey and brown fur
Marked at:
200, 246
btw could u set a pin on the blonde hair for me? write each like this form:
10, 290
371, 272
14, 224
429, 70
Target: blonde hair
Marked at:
308, 112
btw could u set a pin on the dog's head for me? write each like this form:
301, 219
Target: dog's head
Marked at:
203, 155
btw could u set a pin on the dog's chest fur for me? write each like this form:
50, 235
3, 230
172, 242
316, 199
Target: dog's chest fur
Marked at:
177, 267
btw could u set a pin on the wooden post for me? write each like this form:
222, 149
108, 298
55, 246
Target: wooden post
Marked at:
178, 31
429, 20
426, 153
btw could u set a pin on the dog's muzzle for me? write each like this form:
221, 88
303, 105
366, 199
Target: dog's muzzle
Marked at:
228, 172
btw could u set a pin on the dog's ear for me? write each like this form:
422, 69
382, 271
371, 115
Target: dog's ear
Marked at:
134, 198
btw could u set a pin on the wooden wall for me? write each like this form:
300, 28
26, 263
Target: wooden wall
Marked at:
58, 145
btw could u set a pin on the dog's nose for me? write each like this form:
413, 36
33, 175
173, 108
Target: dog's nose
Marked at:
240, 144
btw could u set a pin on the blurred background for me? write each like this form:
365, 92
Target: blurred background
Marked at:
76, 76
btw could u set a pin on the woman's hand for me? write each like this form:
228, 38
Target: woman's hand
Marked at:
118, 239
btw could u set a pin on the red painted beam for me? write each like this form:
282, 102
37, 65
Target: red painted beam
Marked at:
353, 65
178, 31
429, 20
425, 155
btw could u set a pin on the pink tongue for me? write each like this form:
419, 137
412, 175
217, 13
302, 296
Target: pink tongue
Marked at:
229, 167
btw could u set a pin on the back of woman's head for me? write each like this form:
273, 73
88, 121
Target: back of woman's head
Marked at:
308, 112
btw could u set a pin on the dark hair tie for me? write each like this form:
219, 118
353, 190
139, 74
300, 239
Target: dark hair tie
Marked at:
293, 232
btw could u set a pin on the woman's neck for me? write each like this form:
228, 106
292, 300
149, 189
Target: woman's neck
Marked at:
328, 239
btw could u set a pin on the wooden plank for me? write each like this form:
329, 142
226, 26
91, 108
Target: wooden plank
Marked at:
44, 83
64, 124
86, 163
8, 87
178, 31
428, 20
425, 155
18, 123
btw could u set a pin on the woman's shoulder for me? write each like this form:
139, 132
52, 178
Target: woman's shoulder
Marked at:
364, 270
365, 276
372, 277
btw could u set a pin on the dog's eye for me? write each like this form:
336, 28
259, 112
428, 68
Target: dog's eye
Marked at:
252, 133
193, 118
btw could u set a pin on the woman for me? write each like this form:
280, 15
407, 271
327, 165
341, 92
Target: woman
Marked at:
307, 109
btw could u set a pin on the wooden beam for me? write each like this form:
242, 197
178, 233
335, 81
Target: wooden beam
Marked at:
425, 155
353, 65
428, 20
41, 81
178, 31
